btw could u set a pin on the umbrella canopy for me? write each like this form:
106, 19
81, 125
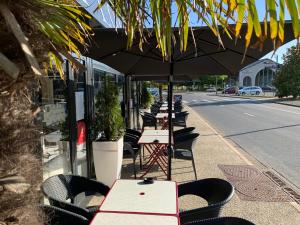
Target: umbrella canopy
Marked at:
204, 57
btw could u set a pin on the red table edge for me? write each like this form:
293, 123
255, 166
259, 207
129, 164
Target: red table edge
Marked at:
137, 213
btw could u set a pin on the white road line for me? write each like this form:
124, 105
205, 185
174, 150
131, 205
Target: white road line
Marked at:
205, 100
282, 110
248, 114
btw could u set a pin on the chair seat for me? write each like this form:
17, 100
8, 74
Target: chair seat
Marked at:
183, 154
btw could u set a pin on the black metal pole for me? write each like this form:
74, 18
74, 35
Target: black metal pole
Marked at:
125, 97
72, 123
88, 118
170, 97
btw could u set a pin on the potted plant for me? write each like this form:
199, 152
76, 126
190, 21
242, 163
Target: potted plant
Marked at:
108, 132
146, 97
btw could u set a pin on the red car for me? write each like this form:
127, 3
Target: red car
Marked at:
231, 90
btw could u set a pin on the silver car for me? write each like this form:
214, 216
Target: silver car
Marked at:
253, 90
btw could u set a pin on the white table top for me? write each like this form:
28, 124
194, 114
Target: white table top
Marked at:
163, 115
156, 132
166, 105
135, 196
148, 139
133, 219
165, 108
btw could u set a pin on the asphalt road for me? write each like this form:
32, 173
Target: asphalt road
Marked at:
270, 132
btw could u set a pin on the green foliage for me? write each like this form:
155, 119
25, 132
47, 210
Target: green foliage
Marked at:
108, 118
287, 81
146, 97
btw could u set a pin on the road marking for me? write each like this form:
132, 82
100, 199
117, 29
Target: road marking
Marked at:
282, 110
185, 101
248, 114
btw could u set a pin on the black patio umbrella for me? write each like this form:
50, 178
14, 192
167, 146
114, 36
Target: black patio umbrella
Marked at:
204, 56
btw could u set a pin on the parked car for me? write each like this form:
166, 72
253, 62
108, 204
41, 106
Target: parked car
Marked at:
231, 90
253, 90
268, 89
211, 89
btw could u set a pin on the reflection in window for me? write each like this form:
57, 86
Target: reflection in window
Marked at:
265, 77
247, 81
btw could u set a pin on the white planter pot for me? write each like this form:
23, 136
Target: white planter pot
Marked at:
108, 157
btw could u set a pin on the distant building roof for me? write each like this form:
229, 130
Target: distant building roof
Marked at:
265, 61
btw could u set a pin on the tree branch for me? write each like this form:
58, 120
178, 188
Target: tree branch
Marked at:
8, 66
13, 24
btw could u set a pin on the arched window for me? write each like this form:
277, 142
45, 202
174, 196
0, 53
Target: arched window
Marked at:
247, 81
264, 77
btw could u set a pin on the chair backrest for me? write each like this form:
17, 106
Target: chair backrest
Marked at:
185, 141
221, 221
56, 216
63, 187
214, 190
183, 131
57, 187
133, 132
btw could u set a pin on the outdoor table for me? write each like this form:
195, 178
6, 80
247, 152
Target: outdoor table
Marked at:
163, 119
156, 146
156, 132
133, 219
165, 109
166, 105
134, 202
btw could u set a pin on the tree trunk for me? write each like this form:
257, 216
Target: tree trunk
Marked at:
20, 160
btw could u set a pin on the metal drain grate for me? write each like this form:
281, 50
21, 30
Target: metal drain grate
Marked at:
293, 194
275, 178
253, 185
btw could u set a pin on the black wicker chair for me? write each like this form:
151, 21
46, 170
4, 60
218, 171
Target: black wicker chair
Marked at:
133, 132
129, 151
149, 121
221, 221
180, 119
183, 147
183, 131
60, 189
216, 192
56, 216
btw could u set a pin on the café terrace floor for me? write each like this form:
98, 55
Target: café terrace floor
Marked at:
211, 151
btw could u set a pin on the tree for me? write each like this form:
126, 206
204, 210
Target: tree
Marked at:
108, 118
287, 81
146, 97
34, 34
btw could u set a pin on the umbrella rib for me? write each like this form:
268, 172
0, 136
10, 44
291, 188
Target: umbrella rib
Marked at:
141, 57
230, 49
216, 61
199, 56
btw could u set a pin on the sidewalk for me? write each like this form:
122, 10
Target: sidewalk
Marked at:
213, 150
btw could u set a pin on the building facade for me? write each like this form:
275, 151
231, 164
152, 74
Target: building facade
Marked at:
260, 73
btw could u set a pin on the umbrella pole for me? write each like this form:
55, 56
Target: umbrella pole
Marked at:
170, 97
